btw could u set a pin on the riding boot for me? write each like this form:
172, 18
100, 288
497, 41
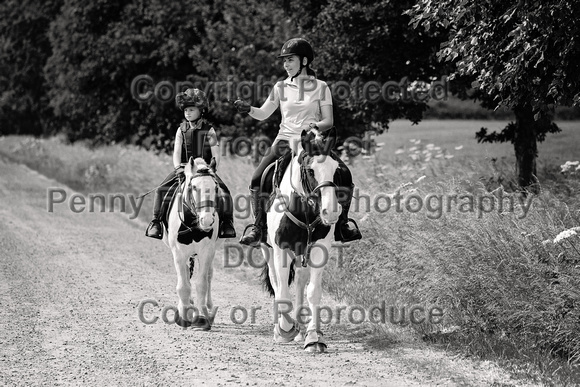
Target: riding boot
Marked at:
258, 233
155, 230
226, 207
343, 231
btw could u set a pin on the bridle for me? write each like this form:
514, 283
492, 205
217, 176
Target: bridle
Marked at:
311, 197
189, 201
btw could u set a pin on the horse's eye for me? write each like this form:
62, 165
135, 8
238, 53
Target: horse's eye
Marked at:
311, 172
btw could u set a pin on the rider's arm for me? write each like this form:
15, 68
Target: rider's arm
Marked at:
269, 106
327, 120
214, 145
177, 149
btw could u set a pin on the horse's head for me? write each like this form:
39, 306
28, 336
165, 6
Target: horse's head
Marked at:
201, 192
317, 170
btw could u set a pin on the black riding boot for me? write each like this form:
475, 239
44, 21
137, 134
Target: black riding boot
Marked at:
259, 232
344, 232
155, 230
226, 208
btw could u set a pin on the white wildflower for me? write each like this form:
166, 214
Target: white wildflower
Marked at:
414, 148
544, 243
449, 156
564, 235
381, 144
399, 151
459, 147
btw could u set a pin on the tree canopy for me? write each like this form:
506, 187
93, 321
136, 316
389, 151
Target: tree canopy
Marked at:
369, 44
109, 71
524, 56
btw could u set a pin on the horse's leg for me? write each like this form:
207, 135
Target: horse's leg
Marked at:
313, 341
285, 329
202, 283
301, 278
268, 256
209, 301
180, 260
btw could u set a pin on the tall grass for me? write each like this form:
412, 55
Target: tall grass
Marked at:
509, 287
509, 284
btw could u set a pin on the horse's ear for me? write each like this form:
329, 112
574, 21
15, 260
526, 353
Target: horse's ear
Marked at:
306, 141
316, 146
330, 141
188, 169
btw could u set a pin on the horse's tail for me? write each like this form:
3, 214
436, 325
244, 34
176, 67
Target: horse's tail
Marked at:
265, 278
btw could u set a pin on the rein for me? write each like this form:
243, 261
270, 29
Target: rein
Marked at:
305, 198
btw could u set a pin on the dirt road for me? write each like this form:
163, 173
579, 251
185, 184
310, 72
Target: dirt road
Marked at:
70, 285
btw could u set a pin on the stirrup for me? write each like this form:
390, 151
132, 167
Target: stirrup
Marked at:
356, 233
158, 235
226, 230
256, 243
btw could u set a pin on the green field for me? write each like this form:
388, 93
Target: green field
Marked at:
557, 148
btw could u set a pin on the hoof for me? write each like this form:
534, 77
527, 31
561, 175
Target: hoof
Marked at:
181, 322
281, 336
315, 348
201, 323
314, 342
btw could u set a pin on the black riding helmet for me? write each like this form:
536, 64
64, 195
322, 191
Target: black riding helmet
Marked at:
192, 97
301, 48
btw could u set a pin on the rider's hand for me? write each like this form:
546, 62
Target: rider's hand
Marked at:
314, 130
317, 135
242, 106
180, 173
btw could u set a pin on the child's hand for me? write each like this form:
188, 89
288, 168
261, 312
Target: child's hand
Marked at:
180, 173
213, 165
242, 106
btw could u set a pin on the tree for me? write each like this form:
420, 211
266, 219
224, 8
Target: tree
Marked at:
106, 52
523, 56
99, 48
25, 48
366, 43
